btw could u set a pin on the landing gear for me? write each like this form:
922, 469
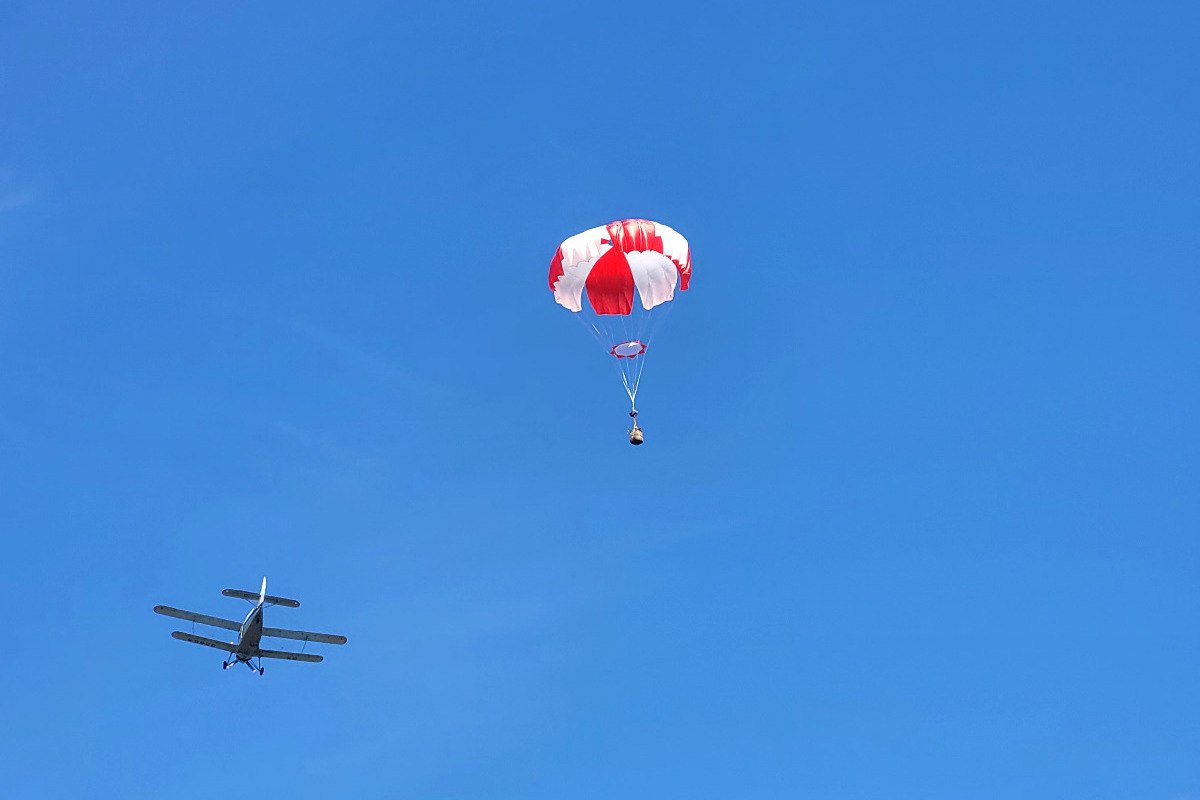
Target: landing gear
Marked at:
249, 662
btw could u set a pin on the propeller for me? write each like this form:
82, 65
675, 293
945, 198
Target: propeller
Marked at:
262, 595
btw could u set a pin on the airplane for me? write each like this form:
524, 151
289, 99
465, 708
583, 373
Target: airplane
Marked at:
251, 631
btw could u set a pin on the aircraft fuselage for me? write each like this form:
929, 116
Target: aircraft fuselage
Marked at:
250, 634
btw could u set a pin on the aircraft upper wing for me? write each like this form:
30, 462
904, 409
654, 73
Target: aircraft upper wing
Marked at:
304, 636
309, 657
192, 616
204, 640
253, 598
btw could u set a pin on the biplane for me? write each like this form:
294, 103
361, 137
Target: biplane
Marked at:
251, 631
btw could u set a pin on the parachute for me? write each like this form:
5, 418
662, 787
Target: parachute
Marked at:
630, 270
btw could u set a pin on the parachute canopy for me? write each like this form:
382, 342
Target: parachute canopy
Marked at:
614, 259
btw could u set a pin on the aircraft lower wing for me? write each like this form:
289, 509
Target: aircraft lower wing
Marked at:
192, 616
304, 636
204, 640
253, 598
309, 657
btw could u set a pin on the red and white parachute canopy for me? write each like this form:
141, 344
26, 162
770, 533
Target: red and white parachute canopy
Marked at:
612, 260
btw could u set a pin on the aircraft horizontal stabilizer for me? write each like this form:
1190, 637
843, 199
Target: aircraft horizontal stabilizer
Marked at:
269, 599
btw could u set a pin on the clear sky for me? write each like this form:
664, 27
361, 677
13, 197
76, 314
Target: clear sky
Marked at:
918, 511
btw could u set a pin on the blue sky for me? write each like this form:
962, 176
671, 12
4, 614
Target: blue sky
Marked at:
917, 512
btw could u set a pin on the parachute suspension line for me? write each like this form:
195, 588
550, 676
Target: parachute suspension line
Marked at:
630, 390
591, 327
633, 377
603, 339
638, 326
